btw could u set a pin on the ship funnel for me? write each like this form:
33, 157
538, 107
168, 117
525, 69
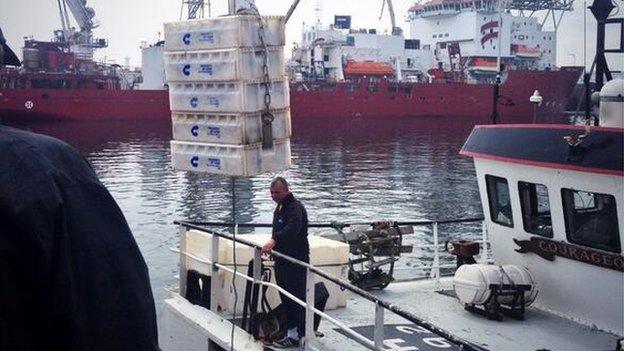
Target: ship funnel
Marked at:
612, 104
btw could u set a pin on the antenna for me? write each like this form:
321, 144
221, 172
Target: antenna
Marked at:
318, 11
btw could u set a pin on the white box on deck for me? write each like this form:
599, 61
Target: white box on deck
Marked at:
227, 96
240, 160
223, 65
223, 33
328, 255
199, 250
240, 128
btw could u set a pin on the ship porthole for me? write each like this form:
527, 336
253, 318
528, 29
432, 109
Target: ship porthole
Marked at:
29, 104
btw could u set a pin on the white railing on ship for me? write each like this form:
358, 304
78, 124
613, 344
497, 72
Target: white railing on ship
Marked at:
308, 304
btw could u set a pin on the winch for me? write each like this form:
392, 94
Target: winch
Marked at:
366, 246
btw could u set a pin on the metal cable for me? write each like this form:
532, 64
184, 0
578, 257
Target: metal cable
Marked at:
234, 261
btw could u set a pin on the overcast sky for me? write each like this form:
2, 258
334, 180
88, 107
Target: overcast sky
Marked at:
127, 23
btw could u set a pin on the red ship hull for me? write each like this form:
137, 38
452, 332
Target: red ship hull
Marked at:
417, 99
87, 104
442, 99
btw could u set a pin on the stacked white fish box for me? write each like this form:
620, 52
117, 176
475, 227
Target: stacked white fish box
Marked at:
214, 68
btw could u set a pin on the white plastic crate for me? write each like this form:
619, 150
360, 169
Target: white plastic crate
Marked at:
223, 65
223, 33
240, 128
227, 96
235, 160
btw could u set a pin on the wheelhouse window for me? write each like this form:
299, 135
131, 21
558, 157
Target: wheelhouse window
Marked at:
535, 209
499, 200
591, 219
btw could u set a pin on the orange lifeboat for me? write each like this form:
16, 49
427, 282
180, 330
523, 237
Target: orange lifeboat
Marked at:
368, 68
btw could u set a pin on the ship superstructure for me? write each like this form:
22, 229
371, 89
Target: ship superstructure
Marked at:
460, 37
464, 35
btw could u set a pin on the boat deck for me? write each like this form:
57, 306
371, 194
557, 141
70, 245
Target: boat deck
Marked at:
539, 331
191, 325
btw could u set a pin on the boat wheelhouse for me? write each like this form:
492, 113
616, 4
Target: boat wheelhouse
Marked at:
552, 197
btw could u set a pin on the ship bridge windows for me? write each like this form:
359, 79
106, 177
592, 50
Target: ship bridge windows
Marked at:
499, 200
591, 219
535, 208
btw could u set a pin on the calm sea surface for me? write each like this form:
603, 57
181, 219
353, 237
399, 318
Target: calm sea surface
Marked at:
356, 170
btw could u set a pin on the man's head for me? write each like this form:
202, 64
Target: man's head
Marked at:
279, 189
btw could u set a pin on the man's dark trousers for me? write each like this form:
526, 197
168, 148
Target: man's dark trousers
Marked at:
293, 279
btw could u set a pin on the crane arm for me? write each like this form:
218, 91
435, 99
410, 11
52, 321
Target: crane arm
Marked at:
82, 14
391, 12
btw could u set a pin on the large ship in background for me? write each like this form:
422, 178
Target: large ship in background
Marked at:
447, 68
59, 79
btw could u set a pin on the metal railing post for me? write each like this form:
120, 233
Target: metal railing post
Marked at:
183, 270
309, 313
214, 274
435, 267
257, 265
378, 333
484, 237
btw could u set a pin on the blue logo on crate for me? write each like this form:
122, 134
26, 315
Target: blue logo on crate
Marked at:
195, 130
215, 132
186, 70
195, 161
214, 162
205, 68
213, 101
186, 38
194, 102
207, 37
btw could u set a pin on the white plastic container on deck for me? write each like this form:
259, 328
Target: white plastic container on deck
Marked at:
472, 281
227, 96
234, 128
223, 33
223, 65
328, 255
227, 159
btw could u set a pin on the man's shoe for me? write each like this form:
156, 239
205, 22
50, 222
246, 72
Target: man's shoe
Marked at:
285, 343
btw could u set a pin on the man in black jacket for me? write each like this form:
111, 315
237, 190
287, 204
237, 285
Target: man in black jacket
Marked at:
289, 237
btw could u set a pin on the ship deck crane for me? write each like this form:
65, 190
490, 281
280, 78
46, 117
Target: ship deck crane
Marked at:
81, 41
395, 30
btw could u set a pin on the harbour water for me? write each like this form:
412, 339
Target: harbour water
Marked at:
355, 170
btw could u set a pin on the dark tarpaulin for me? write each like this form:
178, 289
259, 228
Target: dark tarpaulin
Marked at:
71, 275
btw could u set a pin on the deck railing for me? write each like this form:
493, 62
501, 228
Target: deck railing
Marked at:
311, 272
